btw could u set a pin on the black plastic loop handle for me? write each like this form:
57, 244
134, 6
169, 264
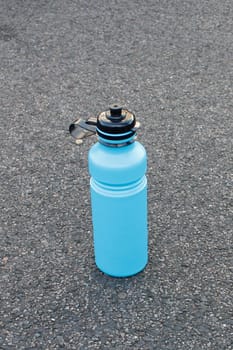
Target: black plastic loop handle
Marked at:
81, 129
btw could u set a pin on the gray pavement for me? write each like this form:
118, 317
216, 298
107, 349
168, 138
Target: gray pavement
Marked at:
169, 61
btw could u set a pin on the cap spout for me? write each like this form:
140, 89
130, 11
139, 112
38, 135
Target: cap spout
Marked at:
115, 113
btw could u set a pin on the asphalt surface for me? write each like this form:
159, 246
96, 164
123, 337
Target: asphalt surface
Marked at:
171, 63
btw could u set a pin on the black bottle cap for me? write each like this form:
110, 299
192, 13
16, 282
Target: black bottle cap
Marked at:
115, 121
115, 124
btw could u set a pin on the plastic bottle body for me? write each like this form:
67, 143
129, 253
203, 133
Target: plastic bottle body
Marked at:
119, 208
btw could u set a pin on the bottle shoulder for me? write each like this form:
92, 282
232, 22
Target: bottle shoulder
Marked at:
117, 157
117, 165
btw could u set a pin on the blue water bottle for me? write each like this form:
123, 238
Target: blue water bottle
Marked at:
117, 166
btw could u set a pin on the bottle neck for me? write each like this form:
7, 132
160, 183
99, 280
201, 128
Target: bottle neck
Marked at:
116, 140
117, 143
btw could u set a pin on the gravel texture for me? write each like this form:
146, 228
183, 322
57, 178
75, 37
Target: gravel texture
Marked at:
170, 61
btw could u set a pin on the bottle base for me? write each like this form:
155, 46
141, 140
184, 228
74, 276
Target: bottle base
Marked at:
122, 274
